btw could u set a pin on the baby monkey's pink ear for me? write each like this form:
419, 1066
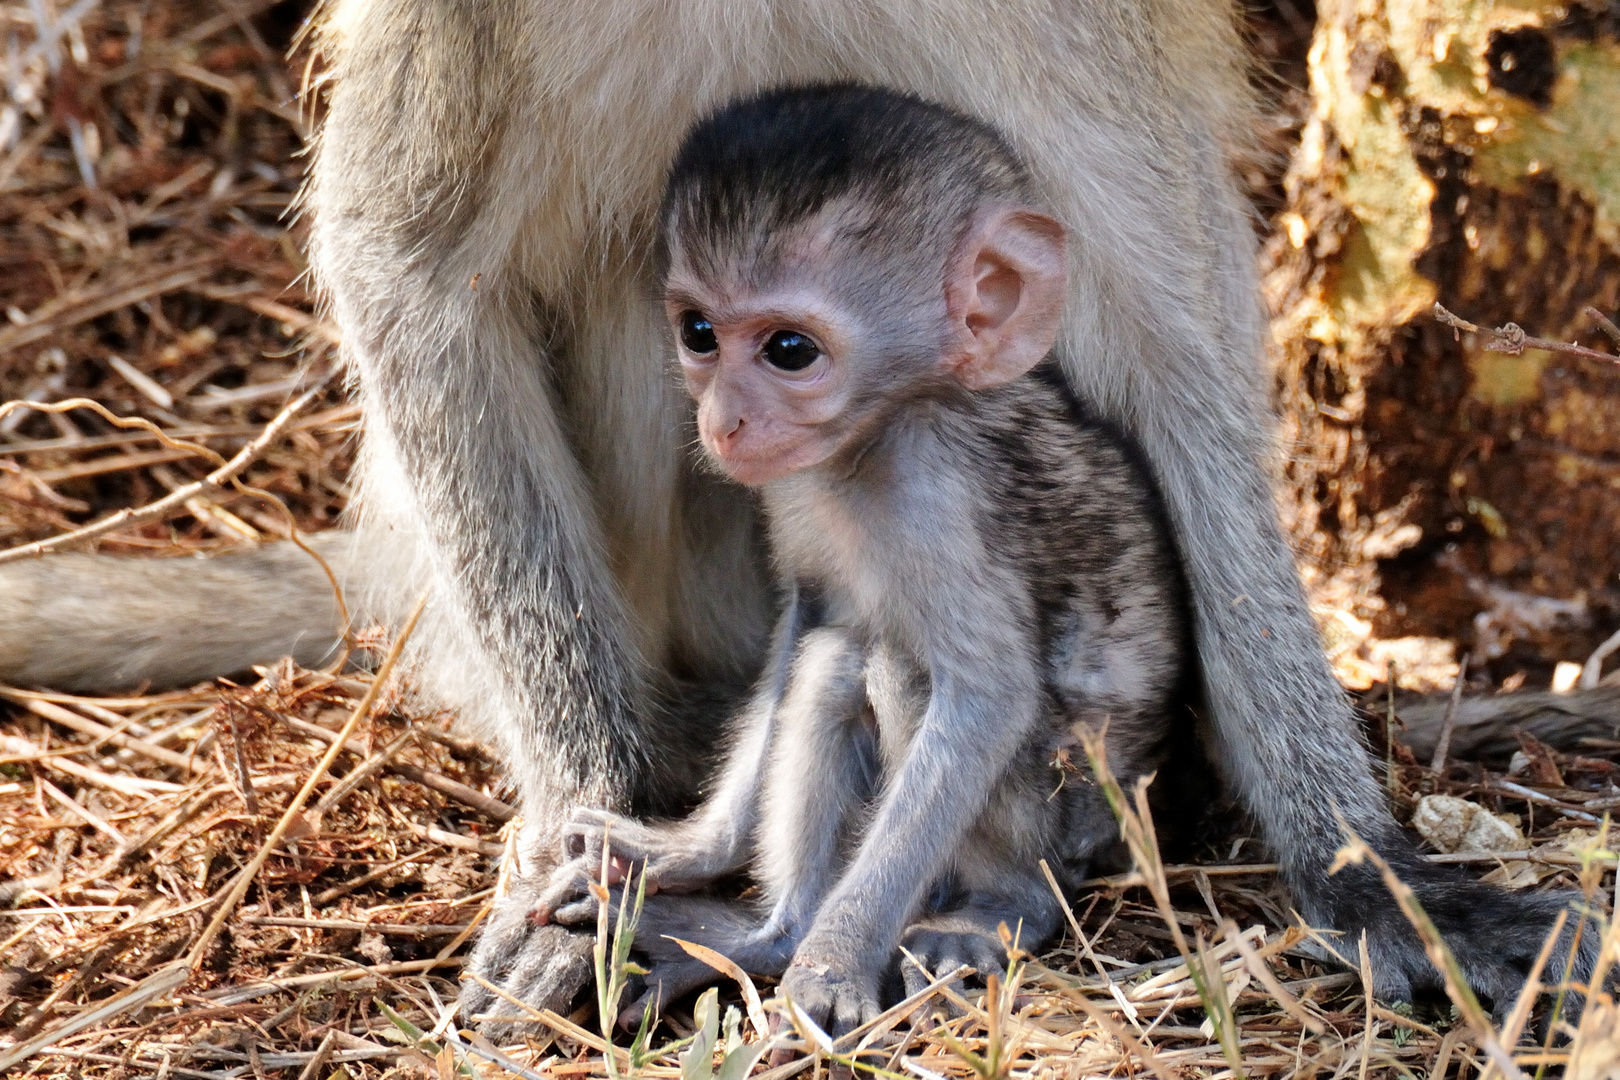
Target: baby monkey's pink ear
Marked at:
1004, 290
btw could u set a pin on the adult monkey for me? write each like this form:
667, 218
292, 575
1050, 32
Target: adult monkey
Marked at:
484, 197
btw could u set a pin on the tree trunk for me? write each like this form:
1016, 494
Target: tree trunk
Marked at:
1465, 151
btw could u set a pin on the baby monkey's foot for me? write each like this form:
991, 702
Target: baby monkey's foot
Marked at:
566, 897
725, 927
728, 927
945, 942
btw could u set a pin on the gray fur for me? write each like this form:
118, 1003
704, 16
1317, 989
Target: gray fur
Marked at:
977, 578
88, 624
1020, 549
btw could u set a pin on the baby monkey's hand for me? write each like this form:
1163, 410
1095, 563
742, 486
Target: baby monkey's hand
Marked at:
675, 856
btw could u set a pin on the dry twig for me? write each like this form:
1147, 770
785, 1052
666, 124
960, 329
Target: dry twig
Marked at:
213, 484
1512, 340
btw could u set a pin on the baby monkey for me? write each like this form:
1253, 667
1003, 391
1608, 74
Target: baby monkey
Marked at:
865, 296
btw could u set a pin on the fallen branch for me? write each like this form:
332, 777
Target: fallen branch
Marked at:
17, 749
1449, 723
416, 930
454, 839
1605, 323
1486, 728
139, 423
102, 733
340, 414
291, 317
82, 309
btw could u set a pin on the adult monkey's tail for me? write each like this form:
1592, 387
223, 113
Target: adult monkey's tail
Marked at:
97, 624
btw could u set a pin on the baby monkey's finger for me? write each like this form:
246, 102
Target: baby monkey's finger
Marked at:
596, 816
569, 882
582, 912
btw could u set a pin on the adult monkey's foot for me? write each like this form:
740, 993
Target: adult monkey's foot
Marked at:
1494, 934
543, 966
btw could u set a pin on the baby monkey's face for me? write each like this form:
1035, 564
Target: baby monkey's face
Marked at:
770, 371
795, 357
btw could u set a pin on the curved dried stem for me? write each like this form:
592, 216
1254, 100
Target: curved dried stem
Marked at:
115, 420
226, 473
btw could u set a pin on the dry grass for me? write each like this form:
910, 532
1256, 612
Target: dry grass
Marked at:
147, 157
148, 160
124, 824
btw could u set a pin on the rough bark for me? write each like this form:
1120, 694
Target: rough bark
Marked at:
1465, 151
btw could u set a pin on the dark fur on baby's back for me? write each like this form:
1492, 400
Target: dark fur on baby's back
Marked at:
1060, 505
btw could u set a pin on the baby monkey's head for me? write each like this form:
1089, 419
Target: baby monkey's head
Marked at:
832, 253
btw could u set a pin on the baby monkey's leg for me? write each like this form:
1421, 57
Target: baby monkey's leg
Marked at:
1047, 806
822, 768
996, 880
819, 770
732, 928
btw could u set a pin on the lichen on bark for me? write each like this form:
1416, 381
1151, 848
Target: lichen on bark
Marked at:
1466, 151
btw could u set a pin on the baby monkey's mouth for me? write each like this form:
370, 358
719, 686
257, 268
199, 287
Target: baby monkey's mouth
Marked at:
756, 465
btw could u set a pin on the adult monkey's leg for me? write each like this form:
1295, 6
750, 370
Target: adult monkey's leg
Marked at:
420, 191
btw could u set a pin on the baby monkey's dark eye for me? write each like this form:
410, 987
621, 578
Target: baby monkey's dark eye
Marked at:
789, 350
697, 333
